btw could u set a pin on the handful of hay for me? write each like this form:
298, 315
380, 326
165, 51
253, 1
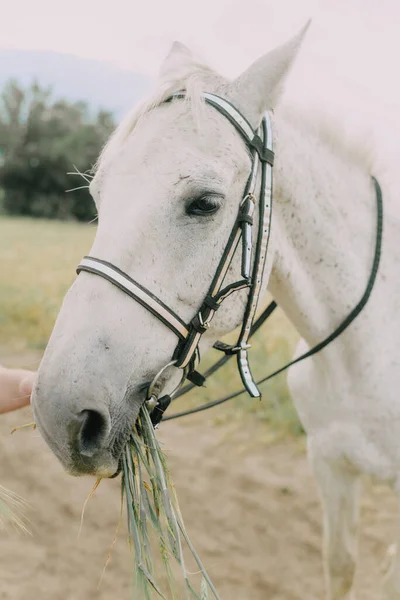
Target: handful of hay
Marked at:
152, 504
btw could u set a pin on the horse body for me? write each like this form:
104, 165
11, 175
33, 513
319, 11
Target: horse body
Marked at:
324, 238
319, 260
346, 396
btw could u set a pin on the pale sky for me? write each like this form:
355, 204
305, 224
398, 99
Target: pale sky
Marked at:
348, 66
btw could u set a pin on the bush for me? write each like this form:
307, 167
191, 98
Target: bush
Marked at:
40, 141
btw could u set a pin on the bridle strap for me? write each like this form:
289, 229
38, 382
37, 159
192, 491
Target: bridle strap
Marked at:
265, 207
242, 229
318, 347
136, 291
252, 138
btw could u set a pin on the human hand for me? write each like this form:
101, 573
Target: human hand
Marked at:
15, 388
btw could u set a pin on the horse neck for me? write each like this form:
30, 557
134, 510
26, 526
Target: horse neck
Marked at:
323, 230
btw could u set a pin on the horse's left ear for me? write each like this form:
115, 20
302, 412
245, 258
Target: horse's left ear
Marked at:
178, 58
260, 86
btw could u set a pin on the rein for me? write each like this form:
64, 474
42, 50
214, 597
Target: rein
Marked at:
186, 355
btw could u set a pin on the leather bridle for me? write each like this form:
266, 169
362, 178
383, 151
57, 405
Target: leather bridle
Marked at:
253, 257
186, 355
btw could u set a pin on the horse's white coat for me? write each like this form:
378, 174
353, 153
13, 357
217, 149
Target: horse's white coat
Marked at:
320, 257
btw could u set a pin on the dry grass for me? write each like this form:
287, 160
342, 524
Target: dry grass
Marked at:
12, 511
38, 260
152, 508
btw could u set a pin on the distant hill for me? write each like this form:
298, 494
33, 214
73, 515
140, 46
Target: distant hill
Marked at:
98, 83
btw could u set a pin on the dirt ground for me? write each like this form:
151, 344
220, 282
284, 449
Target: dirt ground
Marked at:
252, 511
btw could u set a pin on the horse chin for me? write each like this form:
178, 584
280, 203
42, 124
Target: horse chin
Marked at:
104, 464
107, 470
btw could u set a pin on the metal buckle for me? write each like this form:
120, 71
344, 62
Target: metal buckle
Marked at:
242, 346
205, 324
250, 196
229, 349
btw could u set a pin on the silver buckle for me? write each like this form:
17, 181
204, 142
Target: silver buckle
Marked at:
242, 346
203, 323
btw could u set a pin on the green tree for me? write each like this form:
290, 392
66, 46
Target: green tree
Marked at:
40, 142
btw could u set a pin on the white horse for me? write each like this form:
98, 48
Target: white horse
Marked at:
165, 160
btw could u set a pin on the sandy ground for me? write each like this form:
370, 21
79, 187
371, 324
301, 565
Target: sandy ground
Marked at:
252, 511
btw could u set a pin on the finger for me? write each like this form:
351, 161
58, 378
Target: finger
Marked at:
26, 385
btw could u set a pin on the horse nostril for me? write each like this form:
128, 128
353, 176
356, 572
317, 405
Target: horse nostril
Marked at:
93, 431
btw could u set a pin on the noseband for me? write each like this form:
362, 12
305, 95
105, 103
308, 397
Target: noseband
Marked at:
186, 355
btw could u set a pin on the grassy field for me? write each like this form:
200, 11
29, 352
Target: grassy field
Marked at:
38, 260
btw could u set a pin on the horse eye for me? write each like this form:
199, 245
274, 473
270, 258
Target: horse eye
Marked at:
203, 206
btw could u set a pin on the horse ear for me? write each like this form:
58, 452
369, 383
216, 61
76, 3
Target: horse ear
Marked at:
260, 86
179, 56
